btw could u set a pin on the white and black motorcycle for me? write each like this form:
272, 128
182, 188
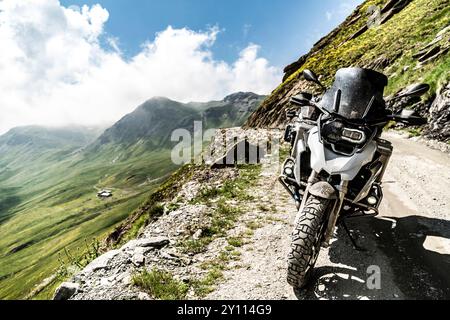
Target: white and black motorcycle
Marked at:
338, 159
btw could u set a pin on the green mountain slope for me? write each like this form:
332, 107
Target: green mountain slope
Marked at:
410, 45
49, 179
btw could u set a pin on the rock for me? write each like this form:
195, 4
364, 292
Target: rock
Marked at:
197, 235
153, 242
124, 278
66, 290
439, 125
143, 296
138, 259
169, 256
101, 262
107, 282
156, 242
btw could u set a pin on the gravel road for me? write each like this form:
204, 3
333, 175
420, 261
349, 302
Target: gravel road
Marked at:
409, 242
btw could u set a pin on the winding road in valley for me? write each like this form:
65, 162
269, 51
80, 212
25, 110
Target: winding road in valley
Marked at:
409, 243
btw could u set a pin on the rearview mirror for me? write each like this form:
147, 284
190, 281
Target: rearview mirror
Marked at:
408, 117
416, 90
312, 77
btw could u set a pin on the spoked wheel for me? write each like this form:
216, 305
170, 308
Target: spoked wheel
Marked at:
306, 241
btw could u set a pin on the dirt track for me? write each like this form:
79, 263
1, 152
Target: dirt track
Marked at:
409, 241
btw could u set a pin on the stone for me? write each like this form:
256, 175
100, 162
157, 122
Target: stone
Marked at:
155, 242
198, 234
66, 291
439, 124
143, 296
138, 259
101, 262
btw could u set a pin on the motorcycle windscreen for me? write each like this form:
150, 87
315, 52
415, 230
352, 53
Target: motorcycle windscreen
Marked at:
358, 88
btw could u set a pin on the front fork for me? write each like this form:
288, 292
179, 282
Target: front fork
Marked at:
334, 214
337, 203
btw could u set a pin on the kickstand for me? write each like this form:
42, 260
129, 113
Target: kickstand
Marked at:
355, 245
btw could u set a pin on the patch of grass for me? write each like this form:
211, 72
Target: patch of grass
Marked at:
160, 285
414, 132
235, 254
195, 246
274, 219
254, 225
285, 151
205, 286
156, 211
173, 207
249, 233
235, 242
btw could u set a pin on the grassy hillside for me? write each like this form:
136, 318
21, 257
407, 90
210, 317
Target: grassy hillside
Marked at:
393, 48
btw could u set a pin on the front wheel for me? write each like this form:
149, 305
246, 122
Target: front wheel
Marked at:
306, 241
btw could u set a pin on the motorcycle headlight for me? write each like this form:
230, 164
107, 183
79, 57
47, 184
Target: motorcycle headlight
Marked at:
336, 131
353, 135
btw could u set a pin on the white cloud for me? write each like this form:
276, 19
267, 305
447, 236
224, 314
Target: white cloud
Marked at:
342, 10
53, 70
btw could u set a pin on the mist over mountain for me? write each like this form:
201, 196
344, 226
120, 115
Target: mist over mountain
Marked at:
49, 138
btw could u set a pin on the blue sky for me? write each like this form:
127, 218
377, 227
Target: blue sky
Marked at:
284, 29
91, 62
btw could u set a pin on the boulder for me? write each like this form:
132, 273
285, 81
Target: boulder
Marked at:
66, 291
101, 262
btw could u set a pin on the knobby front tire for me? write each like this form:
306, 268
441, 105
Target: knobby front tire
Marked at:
306, 241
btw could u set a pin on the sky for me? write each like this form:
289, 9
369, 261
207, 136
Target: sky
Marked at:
90, 62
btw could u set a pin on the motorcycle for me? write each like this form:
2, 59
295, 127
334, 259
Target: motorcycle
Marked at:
338, 159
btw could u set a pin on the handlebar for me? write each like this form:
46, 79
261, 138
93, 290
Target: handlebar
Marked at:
408, 120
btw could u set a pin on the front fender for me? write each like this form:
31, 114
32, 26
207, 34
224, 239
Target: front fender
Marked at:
324, 190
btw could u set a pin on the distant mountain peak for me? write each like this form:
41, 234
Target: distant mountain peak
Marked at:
155, 120
238, 96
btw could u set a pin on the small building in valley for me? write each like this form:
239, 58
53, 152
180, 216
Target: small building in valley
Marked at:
104, 194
